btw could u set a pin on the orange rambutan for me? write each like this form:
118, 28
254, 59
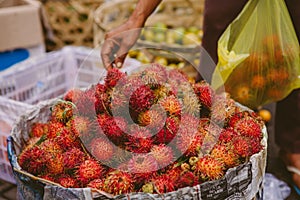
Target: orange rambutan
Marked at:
209, 168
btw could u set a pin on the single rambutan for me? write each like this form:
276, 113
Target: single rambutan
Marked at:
141, 99
173, 171
102, 149
258, 82
209, 168
55, 128
118, 182
85, 103
119, 103
113, 128
102, 99
187, 179
66, 139
226, 154
163, 184
62, 111
97, 184
53, 156
168, 132
223, 107
171, 105
189, 143
191, 104
154, 75
73, 158
256, 145
73, 94
89, 170
112, 77
242, 93
81, 126
32, 160
248, 126
38, 129
163, 154
176, 77
227, 135
67, 181
153, 119
143, 167
205, 93
242, 146
139, 140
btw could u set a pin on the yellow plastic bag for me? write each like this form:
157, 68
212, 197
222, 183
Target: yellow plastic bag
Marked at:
259, 55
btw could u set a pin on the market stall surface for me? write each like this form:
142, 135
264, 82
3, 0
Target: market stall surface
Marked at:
274, 166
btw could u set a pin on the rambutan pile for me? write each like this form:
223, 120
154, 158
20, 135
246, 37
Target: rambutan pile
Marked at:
153, 131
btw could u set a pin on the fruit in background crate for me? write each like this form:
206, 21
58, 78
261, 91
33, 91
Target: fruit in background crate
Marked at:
162, 154
161, 33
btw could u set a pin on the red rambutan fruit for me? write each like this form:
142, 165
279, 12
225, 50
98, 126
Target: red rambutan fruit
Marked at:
81, 126
141, 99
67, 181
143, 167
118, 182
139, 140
187, 179
205, 93
153, 119
227, 135
85, 103
163, 184
223, 107
209, 168
242, 146
73, 158
168, 132
62, 111
73, 94
38, 129
248, 126
97, 184
112, 77
163, 154
55, 128
89, 170
32, 160
102, 149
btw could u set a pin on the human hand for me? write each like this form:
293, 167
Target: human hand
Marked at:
118, 42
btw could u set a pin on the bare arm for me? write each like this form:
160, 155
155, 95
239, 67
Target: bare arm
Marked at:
119, 40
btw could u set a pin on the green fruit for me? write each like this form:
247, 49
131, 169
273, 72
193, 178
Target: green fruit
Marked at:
161, 60
159, 37
149, 35
191, 39
193, 29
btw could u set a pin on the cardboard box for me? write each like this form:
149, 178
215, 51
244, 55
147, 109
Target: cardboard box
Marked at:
20, 23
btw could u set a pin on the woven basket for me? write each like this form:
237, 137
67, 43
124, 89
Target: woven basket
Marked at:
70, 21
174, 13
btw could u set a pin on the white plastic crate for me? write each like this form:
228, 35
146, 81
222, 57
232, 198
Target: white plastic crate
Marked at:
10, 110
50, 75
44, 77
